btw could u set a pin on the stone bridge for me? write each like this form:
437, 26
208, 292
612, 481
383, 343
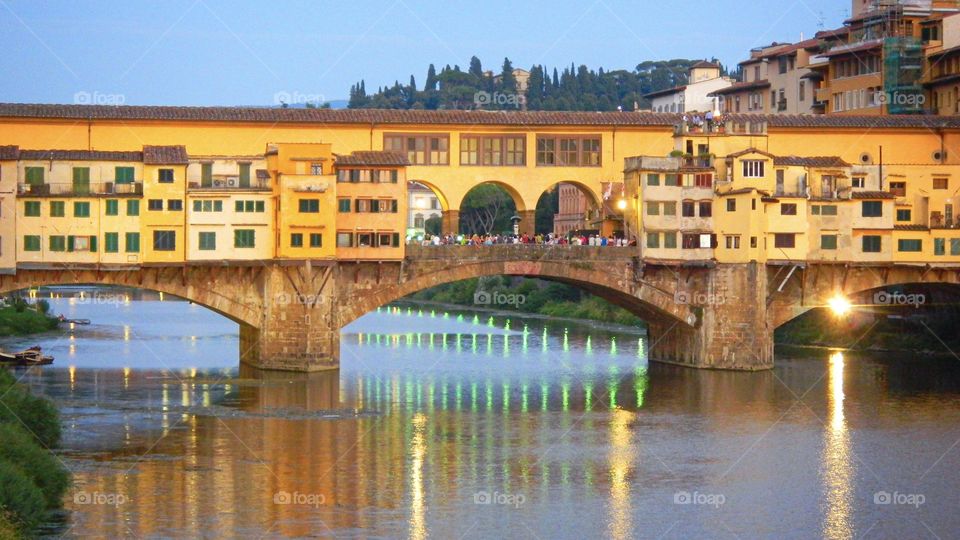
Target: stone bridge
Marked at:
706, 315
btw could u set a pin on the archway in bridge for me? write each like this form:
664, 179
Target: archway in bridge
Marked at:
906, 316
568, 207
427, 206
488, 208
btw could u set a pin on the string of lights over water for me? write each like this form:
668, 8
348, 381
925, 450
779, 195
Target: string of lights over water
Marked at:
444, 423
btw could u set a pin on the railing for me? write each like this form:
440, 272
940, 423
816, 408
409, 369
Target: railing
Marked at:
220, 184
700, 162
80, 190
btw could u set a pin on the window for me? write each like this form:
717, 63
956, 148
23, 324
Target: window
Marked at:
671, 180
955, 246
316, 240
81, 209
753, 242
788, 209
244, 180
731, 205
870, 244
175, 205
688, 209
653, 240
165, 176
903, 214
343, 205
420, 149
753, 168
31, 208
132, 242
316, 169
244, 238
34, 178
670, 240
898, 188
58, 243
296, 240
940, 183
208, 241
859, 181
255, 206
706, 209
653, 209
828, 210
493, 150
703, 180
31, 242
164, 240
388, 239
784, 240
344, 239
111, 242
206, 175
653, 179
828, 241
112, 207
123, 175
699, 241
871, 209
82, 243
568, 151
208, 206
909, 245
309, 206
362, 205
133, 208
732, 241
155, 205
81, 180
669, 208
57, 209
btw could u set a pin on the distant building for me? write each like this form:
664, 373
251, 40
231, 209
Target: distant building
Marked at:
423, 205
703, 78
573, 208
522, 77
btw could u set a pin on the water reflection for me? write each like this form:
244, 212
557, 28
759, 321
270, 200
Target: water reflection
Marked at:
837, 458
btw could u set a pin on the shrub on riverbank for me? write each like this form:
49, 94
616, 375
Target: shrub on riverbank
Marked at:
32, 479
19, 319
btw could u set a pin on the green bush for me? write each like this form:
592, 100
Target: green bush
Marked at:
38, 415
20, 497
43, 306
41, 466
7, 528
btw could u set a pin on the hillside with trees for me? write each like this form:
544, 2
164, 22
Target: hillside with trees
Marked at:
549, 89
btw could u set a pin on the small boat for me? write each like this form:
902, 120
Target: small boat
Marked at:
29, 357
63, 319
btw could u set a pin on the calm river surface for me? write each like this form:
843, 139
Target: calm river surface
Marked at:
459, 427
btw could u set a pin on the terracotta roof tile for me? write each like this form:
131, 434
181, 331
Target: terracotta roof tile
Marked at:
872, 195
80, 155
9, 153
815, 161
165, 155
373, 158
740, 87
666, 91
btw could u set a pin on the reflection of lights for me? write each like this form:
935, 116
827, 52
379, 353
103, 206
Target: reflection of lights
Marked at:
418, 449
126, 332
839, 305
622, 204
837, 461
73, 376
126, 378
621, 461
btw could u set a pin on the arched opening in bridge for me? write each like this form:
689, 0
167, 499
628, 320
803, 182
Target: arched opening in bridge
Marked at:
570, 207
489, 208
909, 316
426, 206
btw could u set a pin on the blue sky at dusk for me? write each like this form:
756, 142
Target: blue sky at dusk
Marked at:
212, 52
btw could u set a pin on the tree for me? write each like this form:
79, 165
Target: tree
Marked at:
433, 225
476, 69
508, 83
431, 79
486, 209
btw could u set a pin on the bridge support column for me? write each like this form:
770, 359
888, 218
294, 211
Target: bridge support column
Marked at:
297, 331
450, 222
528, 221
734, 330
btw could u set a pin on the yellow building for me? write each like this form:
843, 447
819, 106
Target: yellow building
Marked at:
306, 194
371, 205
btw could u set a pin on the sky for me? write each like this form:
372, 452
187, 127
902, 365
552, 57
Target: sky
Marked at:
218, 52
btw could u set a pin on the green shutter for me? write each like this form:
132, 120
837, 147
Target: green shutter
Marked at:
197, 206
34, 176
244, 175
133, 208
396, 239
261, 206
81, 180
238, 206
123, 175
93, 244
111, 242
206, 175
133, 242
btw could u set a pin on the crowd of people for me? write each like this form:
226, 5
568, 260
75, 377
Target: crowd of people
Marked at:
503, 239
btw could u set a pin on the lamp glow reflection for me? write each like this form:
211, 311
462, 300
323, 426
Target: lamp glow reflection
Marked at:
839, 305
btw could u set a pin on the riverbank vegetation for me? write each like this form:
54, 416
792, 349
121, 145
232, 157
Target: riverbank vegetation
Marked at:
526, 295
20, 318
32, 479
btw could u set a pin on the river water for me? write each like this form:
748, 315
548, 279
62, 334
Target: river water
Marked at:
450, 425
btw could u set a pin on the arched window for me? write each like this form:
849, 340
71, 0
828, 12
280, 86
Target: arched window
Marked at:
418, 221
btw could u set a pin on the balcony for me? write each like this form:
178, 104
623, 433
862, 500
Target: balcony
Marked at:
698, 162
97, 189
230, 183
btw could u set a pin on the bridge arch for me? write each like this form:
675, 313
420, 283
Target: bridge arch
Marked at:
227, 291
441, 196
